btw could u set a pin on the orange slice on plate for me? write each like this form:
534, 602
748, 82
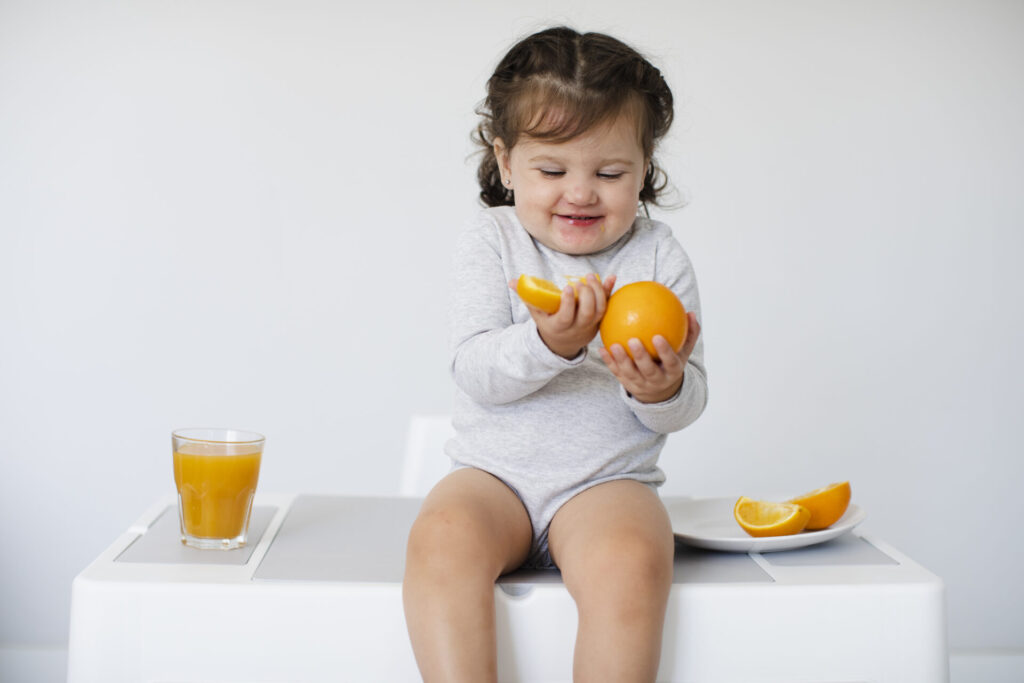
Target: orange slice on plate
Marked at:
760, 518
826, 504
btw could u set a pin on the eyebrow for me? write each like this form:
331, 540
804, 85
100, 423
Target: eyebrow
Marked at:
553, 159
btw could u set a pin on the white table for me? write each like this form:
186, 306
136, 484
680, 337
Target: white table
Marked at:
318, 598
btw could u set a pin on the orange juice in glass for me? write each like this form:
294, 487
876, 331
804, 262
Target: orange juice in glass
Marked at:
216, 471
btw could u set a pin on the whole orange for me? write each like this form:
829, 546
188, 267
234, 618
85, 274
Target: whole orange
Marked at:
642, 310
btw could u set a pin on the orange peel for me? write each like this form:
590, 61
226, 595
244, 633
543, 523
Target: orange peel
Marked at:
642, 310
827, 504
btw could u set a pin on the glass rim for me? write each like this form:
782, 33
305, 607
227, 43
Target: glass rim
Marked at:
207, 435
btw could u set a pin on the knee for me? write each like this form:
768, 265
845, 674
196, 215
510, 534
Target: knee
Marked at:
644, 560
447, 543
637, 568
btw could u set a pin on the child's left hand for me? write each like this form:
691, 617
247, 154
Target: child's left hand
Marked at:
646, 379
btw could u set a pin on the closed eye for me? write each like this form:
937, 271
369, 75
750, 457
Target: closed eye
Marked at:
549, 173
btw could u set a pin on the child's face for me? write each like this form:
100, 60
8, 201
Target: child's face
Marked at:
580, 196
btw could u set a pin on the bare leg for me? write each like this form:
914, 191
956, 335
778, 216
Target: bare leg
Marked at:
614, 545
471, 529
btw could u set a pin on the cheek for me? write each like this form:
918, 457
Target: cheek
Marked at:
535, 194
628, 196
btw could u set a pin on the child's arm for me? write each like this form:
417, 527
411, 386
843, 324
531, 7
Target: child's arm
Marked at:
494, 359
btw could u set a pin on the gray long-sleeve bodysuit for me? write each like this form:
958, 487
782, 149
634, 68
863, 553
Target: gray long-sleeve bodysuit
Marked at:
548, 427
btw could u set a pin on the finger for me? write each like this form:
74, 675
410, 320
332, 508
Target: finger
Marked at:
608, 284
566, 308
692, 333
626, 366
618, 370
667, 356
600, 297
647, 366
585, 303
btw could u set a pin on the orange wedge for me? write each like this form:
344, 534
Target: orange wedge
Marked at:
760, 518
544, 294
539, 293
826, 504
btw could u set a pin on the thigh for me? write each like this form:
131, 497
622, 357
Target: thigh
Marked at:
471, 515
613, 529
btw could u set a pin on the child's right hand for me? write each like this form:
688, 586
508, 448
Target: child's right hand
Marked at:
568, 330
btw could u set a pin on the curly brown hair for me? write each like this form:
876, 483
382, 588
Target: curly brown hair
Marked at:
557, 84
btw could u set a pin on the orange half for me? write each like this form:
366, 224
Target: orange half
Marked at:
826, 504
760, 518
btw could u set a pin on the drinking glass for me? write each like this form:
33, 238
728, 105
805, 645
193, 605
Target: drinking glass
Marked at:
216, 471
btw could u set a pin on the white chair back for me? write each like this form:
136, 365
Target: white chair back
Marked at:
425, 462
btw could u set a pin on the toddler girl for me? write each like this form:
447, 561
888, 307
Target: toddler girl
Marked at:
557, 440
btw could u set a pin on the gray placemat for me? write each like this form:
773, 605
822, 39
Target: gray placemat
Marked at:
848, 549
161, 544
332, 538
697, 565
340, 538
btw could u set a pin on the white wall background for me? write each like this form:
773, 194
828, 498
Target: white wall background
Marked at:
240, 213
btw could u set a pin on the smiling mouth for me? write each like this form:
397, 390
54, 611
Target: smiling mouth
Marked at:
580, 220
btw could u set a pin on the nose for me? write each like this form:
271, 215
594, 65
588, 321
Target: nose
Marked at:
581, 192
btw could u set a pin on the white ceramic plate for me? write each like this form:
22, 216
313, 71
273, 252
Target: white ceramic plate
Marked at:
708, 523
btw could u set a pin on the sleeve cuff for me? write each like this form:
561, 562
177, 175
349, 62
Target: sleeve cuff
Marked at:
671, 414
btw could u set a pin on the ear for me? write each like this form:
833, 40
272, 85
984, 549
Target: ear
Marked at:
501, 154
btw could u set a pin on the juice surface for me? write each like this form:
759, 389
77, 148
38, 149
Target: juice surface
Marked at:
216, 489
